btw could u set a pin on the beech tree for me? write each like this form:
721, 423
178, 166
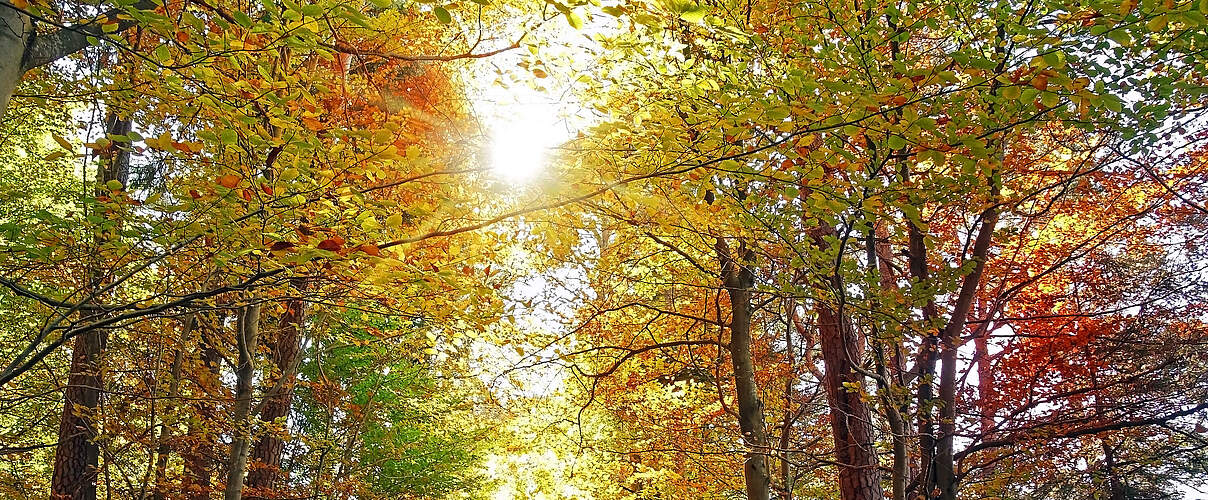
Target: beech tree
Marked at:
820, 249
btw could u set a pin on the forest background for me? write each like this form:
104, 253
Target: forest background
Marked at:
623, 249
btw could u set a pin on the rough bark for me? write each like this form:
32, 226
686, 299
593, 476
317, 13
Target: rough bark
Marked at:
851, 419
738, 280
77, 455
246, 338
266, 455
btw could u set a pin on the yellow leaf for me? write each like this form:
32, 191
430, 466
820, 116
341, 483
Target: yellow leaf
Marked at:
62, 142
395, 220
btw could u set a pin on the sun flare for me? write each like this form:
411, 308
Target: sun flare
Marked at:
520, 148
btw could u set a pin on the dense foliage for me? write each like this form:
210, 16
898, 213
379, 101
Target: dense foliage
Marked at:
816, 249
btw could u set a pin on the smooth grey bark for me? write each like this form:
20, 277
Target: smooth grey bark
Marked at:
245, 339
15, 32
23, 49
738, 280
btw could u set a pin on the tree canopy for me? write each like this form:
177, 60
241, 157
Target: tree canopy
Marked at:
609, 249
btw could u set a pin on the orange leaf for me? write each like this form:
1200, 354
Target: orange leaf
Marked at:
228, 181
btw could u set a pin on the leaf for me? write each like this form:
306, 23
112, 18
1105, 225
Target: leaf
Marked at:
281, 246
442, 15
62, 142
574, 20
228, 181
228, 136
333, 244
1158, 23
370, 249
394, 220
694, 14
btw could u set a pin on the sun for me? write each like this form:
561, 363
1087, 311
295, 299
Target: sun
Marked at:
521, 143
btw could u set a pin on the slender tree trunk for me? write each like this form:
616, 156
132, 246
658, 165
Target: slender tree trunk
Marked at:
266, 455
738, 280
945, 468
164, 450
246, 338
198, 455
786, 426
889, 367
77, 455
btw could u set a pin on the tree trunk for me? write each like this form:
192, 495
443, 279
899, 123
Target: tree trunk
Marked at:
15, 30
266, 455
738, 280
945, 470
198, 456
21, 49
77, 455
246, 338
851, 420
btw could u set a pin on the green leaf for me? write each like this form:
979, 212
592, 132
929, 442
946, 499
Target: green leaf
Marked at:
442, 15
897, 142
694, 14
243, 19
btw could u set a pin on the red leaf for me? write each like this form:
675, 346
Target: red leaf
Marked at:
370, 249
281, 246
332, 244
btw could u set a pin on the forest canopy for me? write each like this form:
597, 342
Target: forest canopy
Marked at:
603, 249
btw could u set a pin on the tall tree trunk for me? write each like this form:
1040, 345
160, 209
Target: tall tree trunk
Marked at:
851, 420
945, 471
266, 455
198, 456
77, 455
738, 280
246, 337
